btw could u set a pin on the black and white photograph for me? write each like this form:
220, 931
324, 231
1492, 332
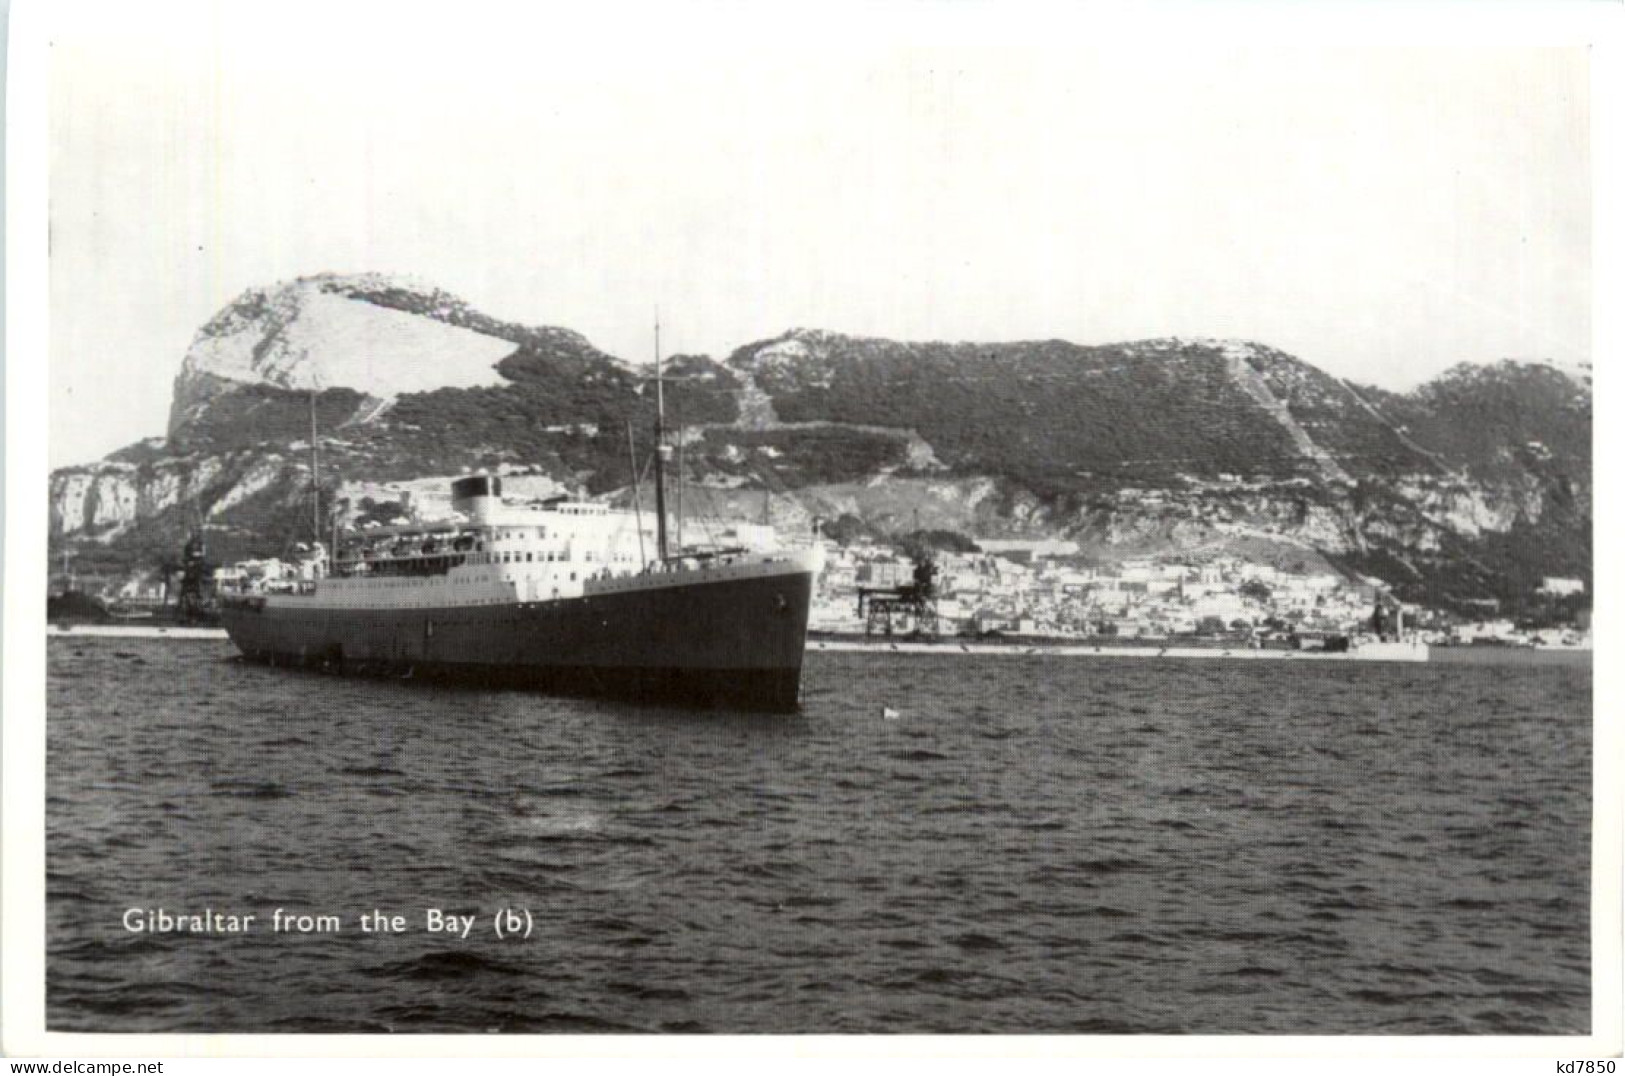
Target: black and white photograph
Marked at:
882, 520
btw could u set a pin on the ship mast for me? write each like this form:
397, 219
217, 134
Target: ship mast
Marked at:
315, 475
637, 491
660, 450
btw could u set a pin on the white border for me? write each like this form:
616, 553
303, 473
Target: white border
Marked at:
1465, 24
22, 916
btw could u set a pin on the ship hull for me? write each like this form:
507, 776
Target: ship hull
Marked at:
732, 643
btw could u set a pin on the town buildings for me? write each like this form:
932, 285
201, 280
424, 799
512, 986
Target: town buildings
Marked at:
1047, 589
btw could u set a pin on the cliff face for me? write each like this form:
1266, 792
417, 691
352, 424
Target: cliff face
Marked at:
106, 500
1475, 484
321, 333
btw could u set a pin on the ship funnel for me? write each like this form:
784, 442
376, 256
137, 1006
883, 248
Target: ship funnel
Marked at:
476, 495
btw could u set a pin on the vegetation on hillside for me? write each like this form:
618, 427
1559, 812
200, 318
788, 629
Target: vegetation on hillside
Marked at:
1054, 416
261, 414
935, 540
1358, 439
797, 458
1499, 420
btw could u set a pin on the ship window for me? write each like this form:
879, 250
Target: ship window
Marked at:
572, 577
527, 558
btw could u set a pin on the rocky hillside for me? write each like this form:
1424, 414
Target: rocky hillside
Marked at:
1471, 487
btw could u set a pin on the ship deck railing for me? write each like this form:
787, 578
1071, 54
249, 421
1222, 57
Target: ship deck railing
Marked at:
410, 564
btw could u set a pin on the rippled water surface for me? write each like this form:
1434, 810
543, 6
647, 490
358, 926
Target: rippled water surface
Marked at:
1036, 844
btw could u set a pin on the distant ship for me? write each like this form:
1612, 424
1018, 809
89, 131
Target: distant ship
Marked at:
559, 597
193, 606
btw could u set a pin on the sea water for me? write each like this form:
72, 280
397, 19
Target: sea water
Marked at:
935, 844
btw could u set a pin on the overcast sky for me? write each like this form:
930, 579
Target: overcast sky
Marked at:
1382, 213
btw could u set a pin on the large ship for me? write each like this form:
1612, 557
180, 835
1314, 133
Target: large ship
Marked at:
564, 596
